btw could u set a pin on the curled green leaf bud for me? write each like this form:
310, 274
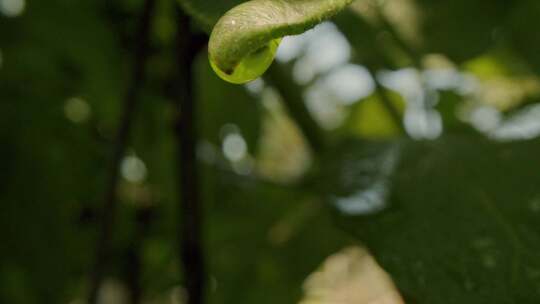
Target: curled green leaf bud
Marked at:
244, 41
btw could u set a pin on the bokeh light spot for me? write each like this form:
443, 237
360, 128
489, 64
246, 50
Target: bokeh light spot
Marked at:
12, 8
234, 147
350, 83
133, 169
77, 110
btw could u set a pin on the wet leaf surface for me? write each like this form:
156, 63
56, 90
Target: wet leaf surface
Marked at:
459, 224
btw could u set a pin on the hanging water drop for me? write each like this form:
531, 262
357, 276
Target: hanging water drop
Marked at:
244, 41
250, 67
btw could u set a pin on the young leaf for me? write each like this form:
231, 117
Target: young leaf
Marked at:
244, 41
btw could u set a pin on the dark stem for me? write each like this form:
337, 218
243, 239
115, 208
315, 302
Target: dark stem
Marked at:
133, 272
293, 100
133, 263
126, 121
190, 209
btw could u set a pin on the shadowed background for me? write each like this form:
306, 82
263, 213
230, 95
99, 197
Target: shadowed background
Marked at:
409, 127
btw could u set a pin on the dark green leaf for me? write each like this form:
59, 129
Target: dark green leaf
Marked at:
458, 222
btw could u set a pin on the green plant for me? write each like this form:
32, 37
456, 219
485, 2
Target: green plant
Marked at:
402, 135
244, 41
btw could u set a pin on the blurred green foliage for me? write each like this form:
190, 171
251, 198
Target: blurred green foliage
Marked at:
452, 197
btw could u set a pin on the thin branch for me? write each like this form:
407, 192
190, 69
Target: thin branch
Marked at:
190, 209
132, 271
126, 121
293, 100
133, 263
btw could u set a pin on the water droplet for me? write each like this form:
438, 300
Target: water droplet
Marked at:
251, 67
